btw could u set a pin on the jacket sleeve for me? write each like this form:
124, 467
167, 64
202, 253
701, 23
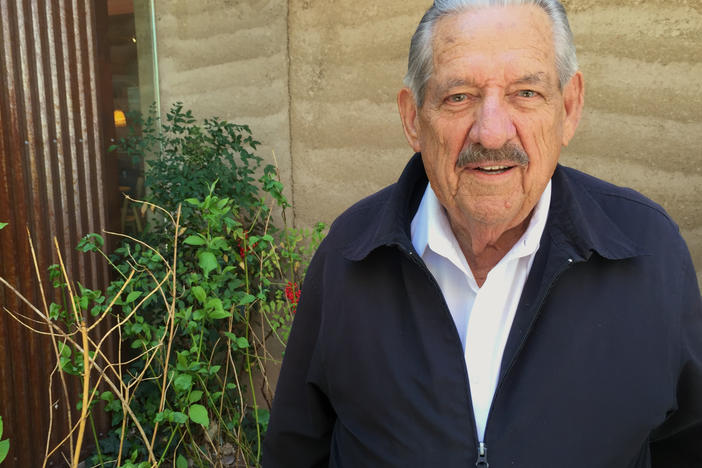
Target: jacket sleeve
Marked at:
678, 442
302, 419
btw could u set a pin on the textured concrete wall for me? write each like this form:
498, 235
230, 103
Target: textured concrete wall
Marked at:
229, 58
320, 77
348, 59
643, 122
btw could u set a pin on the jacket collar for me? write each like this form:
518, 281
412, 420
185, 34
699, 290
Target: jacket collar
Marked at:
576, 221
390, 226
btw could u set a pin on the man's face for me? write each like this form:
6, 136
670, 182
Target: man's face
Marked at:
494, 84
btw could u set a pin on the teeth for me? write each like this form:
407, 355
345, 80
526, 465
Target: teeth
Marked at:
494, 168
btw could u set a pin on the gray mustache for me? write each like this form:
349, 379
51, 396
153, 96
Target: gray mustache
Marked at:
476, 153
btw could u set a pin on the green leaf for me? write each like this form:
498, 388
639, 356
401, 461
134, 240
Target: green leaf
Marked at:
219, 314
193, 201
54, 311
181, 462
219, 243
91, 242
242, 342
179, 418
133, 296
199, 293
231, 223
195, 366
2, 225
195, 395
263, 416
182, 358
183, 382
4, 448
83, 302
97, 310
198, 314
247, 299
0, 426
198, 414
208, 262
137, 344
215, 303
230, 335
195, 240
64, 350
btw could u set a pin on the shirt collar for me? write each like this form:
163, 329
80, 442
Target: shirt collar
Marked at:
529, 242
430, 228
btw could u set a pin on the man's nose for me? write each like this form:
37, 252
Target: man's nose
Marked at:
493, 126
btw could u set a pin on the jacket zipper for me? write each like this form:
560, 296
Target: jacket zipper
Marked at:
482, 448
558, 274
482, 461
482, 456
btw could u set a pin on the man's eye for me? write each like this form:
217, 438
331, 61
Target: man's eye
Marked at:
527, 93
457, 98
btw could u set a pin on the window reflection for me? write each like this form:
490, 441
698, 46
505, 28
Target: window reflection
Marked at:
131, 45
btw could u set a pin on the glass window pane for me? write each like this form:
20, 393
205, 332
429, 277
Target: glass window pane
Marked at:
134, 89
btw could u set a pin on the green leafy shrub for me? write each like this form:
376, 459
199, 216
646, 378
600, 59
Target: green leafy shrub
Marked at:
198, 301
184, 157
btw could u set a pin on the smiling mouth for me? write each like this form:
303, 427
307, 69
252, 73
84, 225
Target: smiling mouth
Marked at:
493, 169
491, 161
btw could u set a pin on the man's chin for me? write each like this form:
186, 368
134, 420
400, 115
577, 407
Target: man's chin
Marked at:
489, 208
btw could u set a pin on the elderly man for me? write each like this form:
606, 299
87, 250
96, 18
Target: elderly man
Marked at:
493, 308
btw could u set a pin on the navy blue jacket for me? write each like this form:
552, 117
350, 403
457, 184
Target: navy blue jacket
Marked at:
602, 368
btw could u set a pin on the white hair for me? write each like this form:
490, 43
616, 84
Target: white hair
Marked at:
420, 63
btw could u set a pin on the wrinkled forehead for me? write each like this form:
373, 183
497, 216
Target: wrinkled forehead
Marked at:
522, 29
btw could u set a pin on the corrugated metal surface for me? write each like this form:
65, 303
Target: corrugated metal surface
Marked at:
51, 180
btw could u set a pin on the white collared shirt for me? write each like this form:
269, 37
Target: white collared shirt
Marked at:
483, 316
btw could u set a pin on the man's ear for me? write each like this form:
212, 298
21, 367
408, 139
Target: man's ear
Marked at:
408, 113
573, 101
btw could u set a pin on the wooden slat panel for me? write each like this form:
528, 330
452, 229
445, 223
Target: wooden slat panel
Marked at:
51, 181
